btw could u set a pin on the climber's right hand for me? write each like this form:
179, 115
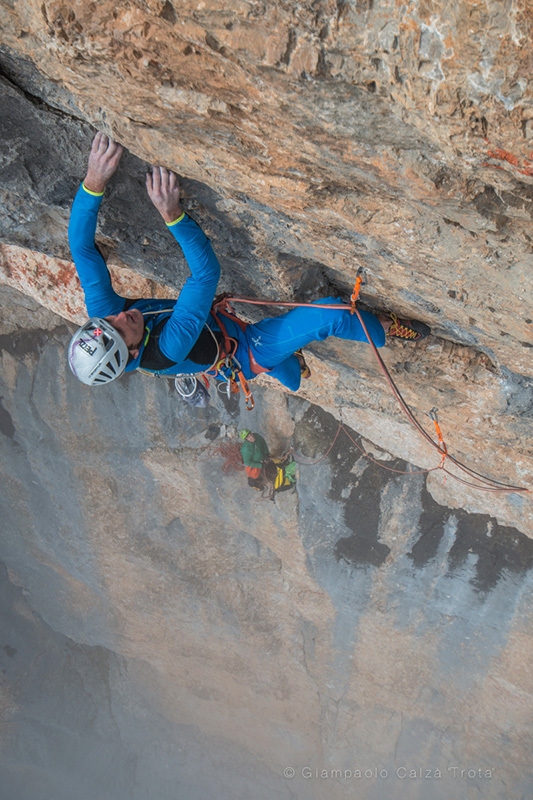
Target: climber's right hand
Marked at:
103, 162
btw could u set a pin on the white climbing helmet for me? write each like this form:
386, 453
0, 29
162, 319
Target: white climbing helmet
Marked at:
97, 353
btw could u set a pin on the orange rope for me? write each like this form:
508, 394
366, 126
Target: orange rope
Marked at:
490, 484
284, 303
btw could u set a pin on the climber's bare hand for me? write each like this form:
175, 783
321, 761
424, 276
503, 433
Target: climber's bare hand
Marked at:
163, 189
103, 162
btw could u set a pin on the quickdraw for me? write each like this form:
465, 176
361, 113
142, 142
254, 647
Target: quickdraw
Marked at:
360, 281
229, 370
442, 444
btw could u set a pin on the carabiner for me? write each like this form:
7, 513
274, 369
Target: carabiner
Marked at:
360, 280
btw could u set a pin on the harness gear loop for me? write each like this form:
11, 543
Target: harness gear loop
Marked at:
360, 280
222, 308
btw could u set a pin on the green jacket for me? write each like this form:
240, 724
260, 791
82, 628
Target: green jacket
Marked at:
254, 453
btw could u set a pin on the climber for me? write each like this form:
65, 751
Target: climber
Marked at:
170, 337
254, 453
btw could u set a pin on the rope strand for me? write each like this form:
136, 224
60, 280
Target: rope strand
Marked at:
488, 484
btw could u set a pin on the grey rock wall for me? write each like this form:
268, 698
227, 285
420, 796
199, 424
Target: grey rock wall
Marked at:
75, 721
167, 631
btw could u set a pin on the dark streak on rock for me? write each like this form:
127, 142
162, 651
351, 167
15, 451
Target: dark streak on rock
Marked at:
361, 514
313, 436
431, 525
497, 549
291, 45
6, 422
502, 550
490, 206
27, 342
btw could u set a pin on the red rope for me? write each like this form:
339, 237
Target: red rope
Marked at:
341, 427
231, 453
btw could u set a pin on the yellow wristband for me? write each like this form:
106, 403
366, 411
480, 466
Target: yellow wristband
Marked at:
94, 194
175, 222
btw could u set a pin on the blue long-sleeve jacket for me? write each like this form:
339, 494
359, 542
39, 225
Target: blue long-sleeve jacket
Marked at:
189, 313
272, 341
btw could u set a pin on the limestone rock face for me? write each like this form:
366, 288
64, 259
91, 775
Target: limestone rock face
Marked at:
313, 139
370, 620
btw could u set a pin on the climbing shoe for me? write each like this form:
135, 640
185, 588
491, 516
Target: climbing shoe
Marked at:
304, 369
407, 329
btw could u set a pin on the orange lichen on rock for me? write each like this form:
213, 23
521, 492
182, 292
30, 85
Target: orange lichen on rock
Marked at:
525, 167
53, 282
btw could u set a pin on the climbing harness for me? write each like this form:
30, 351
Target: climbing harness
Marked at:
225, 368
229, 369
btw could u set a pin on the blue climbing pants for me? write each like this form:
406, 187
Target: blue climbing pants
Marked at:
274, 340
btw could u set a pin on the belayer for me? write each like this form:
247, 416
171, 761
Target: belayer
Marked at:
183, 336
275, 473
254, 453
